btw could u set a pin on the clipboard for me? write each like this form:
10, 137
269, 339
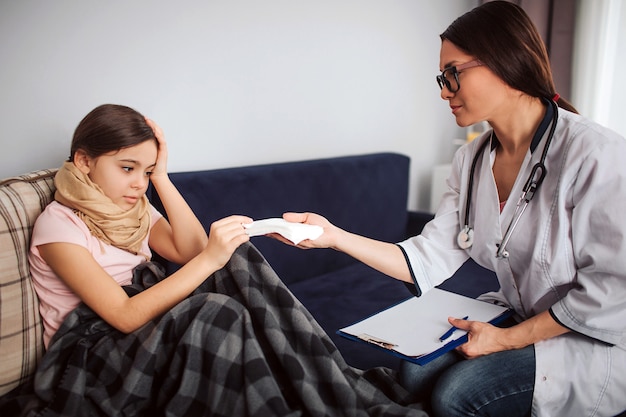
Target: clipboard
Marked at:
411, 328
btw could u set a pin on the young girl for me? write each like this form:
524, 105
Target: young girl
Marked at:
563, 267
122, 339
101, 226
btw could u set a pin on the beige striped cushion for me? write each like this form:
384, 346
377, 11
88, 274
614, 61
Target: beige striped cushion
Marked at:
21, 345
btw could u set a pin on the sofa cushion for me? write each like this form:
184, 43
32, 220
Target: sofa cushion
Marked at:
21, 344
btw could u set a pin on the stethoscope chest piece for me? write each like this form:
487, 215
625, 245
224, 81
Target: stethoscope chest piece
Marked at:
465, 238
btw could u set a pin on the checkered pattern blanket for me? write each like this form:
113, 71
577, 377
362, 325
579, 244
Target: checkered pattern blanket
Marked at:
241, 345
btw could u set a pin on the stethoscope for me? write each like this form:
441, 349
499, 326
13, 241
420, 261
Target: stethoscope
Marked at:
465, 238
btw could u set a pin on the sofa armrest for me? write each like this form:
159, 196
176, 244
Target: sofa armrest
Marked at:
470, 279
22, 199
416, 222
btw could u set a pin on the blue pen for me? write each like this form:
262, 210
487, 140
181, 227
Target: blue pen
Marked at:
449, 333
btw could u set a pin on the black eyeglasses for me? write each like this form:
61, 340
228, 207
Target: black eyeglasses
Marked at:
450, 76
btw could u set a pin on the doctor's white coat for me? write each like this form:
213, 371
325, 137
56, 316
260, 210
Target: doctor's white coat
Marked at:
567, 254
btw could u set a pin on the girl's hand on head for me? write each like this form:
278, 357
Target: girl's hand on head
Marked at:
161, 163
225, 236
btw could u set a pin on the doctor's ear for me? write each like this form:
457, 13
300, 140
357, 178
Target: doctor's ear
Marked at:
82, 161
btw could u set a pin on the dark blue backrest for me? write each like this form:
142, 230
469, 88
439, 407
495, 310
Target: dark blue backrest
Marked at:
365, 194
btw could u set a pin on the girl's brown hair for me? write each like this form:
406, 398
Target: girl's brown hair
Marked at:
109, 128
502, 36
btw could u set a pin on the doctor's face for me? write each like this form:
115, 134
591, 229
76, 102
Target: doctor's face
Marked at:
479, 93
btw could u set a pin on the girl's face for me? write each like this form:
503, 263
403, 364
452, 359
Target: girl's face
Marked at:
122, 175
481, 94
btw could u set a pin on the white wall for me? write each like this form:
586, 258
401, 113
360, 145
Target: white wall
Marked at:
233, 82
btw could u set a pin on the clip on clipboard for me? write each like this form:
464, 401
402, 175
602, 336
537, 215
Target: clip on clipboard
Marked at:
376, 341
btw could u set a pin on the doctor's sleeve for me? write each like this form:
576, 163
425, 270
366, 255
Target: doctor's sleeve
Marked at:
434, 256
596, 306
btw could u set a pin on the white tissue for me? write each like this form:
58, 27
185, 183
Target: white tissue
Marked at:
295, 232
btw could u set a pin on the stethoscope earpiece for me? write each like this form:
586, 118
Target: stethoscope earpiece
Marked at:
465, 238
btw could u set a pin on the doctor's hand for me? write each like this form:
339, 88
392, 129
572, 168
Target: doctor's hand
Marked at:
483, 338
326, 240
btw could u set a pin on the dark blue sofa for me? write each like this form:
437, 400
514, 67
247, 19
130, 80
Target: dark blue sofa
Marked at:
365, 194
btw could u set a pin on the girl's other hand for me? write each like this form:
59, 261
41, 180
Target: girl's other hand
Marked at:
161, 163
225, 236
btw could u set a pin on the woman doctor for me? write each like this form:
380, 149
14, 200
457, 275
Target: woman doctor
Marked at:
561, 267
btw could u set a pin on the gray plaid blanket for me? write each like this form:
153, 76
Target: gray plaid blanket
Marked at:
241, 345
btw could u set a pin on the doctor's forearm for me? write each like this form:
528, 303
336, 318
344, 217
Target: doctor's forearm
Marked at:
382, 256
535, 329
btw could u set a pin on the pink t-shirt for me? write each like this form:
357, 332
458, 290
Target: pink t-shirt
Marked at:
58, 223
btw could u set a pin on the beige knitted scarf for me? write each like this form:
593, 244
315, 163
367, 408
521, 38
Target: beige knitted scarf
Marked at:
125, 229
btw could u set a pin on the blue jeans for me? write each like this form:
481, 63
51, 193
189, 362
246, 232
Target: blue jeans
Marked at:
500, 384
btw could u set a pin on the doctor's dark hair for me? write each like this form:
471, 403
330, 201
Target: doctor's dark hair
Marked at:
502, 36
109, 128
